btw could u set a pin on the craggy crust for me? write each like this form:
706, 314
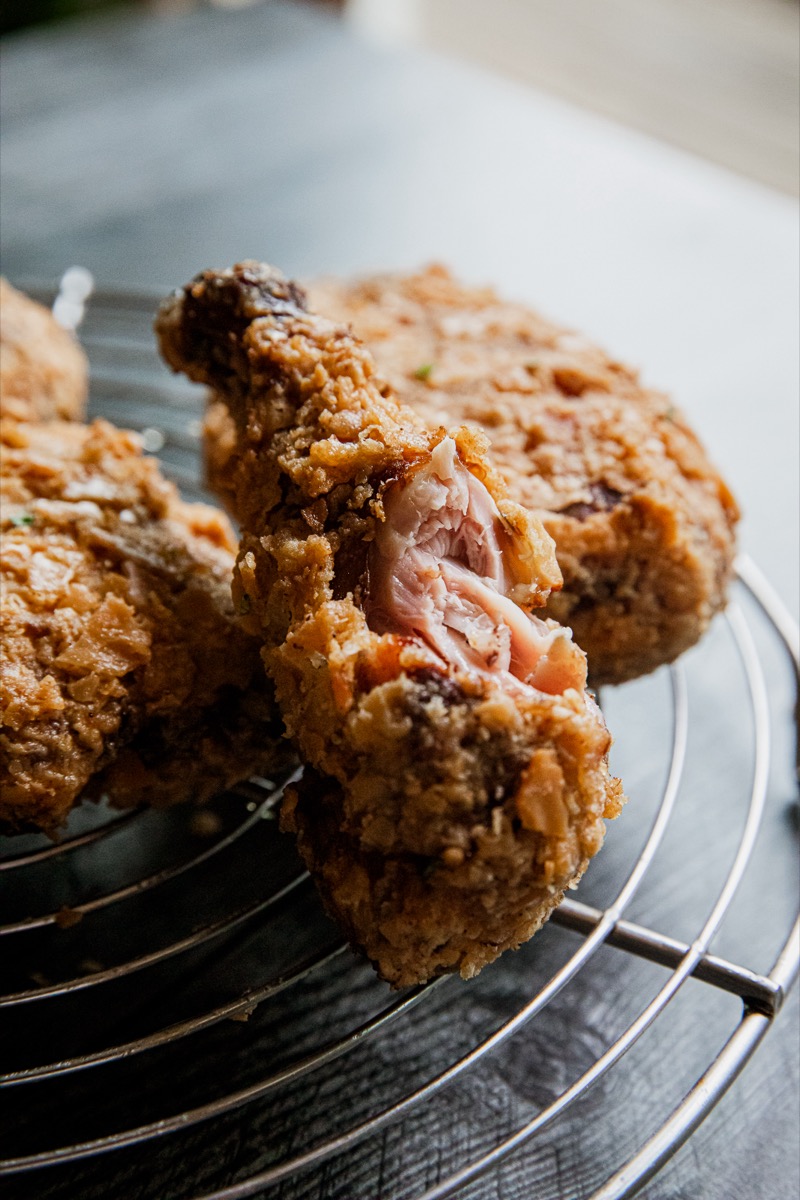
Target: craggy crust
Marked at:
452, 895
43, 371
123, 669
643, 524
443, 779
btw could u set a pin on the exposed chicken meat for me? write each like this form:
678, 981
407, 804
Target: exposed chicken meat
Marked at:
437, 571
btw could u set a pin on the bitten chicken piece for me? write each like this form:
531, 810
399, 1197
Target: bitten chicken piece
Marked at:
124, 670
643, 524
43, 370
464, 766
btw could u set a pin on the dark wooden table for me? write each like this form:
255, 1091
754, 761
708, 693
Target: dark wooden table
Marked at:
145, 149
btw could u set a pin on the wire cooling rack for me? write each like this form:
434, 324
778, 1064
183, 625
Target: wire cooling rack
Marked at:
172, 993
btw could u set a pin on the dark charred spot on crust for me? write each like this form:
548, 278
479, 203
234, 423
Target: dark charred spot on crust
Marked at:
126, 733
217, 307
350, 573
605, 590
434, 684
390, 477
266, 291
508, 777
603, 499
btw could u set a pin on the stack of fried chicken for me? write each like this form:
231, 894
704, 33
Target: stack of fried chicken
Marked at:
445, 503
124, 670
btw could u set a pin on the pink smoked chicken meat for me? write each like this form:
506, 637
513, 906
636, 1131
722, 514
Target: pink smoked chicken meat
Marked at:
458, 779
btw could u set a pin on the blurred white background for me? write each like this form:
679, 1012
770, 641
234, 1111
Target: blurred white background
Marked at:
720, 78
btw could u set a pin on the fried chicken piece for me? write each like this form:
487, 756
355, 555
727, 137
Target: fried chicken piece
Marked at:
43, 370
643, 523
124, 670
465, 766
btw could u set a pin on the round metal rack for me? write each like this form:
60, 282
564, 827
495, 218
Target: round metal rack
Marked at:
169, 979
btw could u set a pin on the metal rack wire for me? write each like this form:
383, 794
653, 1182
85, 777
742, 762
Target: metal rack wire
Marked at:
163, 932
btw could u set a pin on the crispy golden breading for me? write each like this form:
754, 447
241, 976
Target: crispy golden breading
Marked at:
643, 524
124, 670
43, 370
389, 576
219, 451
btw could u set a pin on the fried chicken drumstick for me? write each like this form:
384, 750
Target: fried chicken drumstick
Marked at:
124, 670
463, 767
